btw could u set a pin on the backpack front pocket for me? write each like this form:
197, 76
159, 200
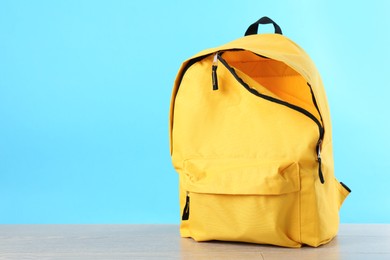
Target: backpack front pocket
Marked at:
242, 200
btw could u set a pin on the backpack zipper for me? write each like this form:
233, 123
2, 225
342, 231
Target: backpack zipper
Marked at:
186, 210
214, 72
217, 57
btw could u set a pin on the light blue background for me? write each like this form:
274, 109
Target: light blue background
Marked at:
85, 89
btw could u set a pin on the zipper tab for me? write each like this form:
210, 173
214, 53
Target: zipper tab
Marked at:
214, 72
186, 210
320, 174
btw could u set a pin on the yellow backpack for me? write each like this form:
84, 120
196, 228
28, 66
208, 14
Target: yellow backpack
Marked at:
250, 136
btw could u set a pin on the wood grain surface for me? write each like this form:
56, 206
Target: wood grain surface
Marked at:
355, 242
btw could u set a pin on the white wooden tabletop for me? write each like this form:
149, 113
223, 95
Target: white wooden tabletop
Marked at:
355, 241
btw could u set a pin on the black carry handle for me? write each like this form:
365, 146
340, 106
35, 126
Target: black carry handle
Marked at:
252, 29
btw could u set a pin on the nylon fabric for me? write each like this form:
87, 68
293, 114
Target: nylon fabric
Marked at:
247, 150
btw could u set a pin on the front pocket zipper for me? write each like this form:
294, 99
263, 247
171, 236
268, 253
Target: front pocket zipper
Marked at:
186, 210
218, 57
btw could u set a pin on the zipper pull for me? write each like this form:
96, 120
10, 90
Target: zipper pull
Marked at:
186, 210
320, 174
214, 72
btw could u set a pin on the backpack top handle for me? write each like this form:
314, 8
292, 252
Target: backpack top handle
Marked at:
252, 29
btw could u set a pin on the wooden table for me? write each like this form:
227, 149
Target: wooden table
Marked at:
355, 241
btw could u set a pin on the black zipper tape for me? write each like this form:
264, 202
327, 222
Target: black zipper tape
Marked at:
186, 210
345, 187
289, 105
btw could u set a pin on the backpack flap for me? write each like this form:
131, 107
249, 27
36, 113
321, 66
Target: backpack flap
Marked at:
241, 200
240, 177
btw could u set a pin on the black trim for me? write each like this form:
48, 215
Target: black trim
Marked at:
345, 187
272, 99
315, 101
319, 143
186, 210
289, 105
322, 132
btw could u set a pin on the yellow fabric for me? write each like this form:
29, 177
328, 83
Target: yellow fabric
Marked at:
249, 165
